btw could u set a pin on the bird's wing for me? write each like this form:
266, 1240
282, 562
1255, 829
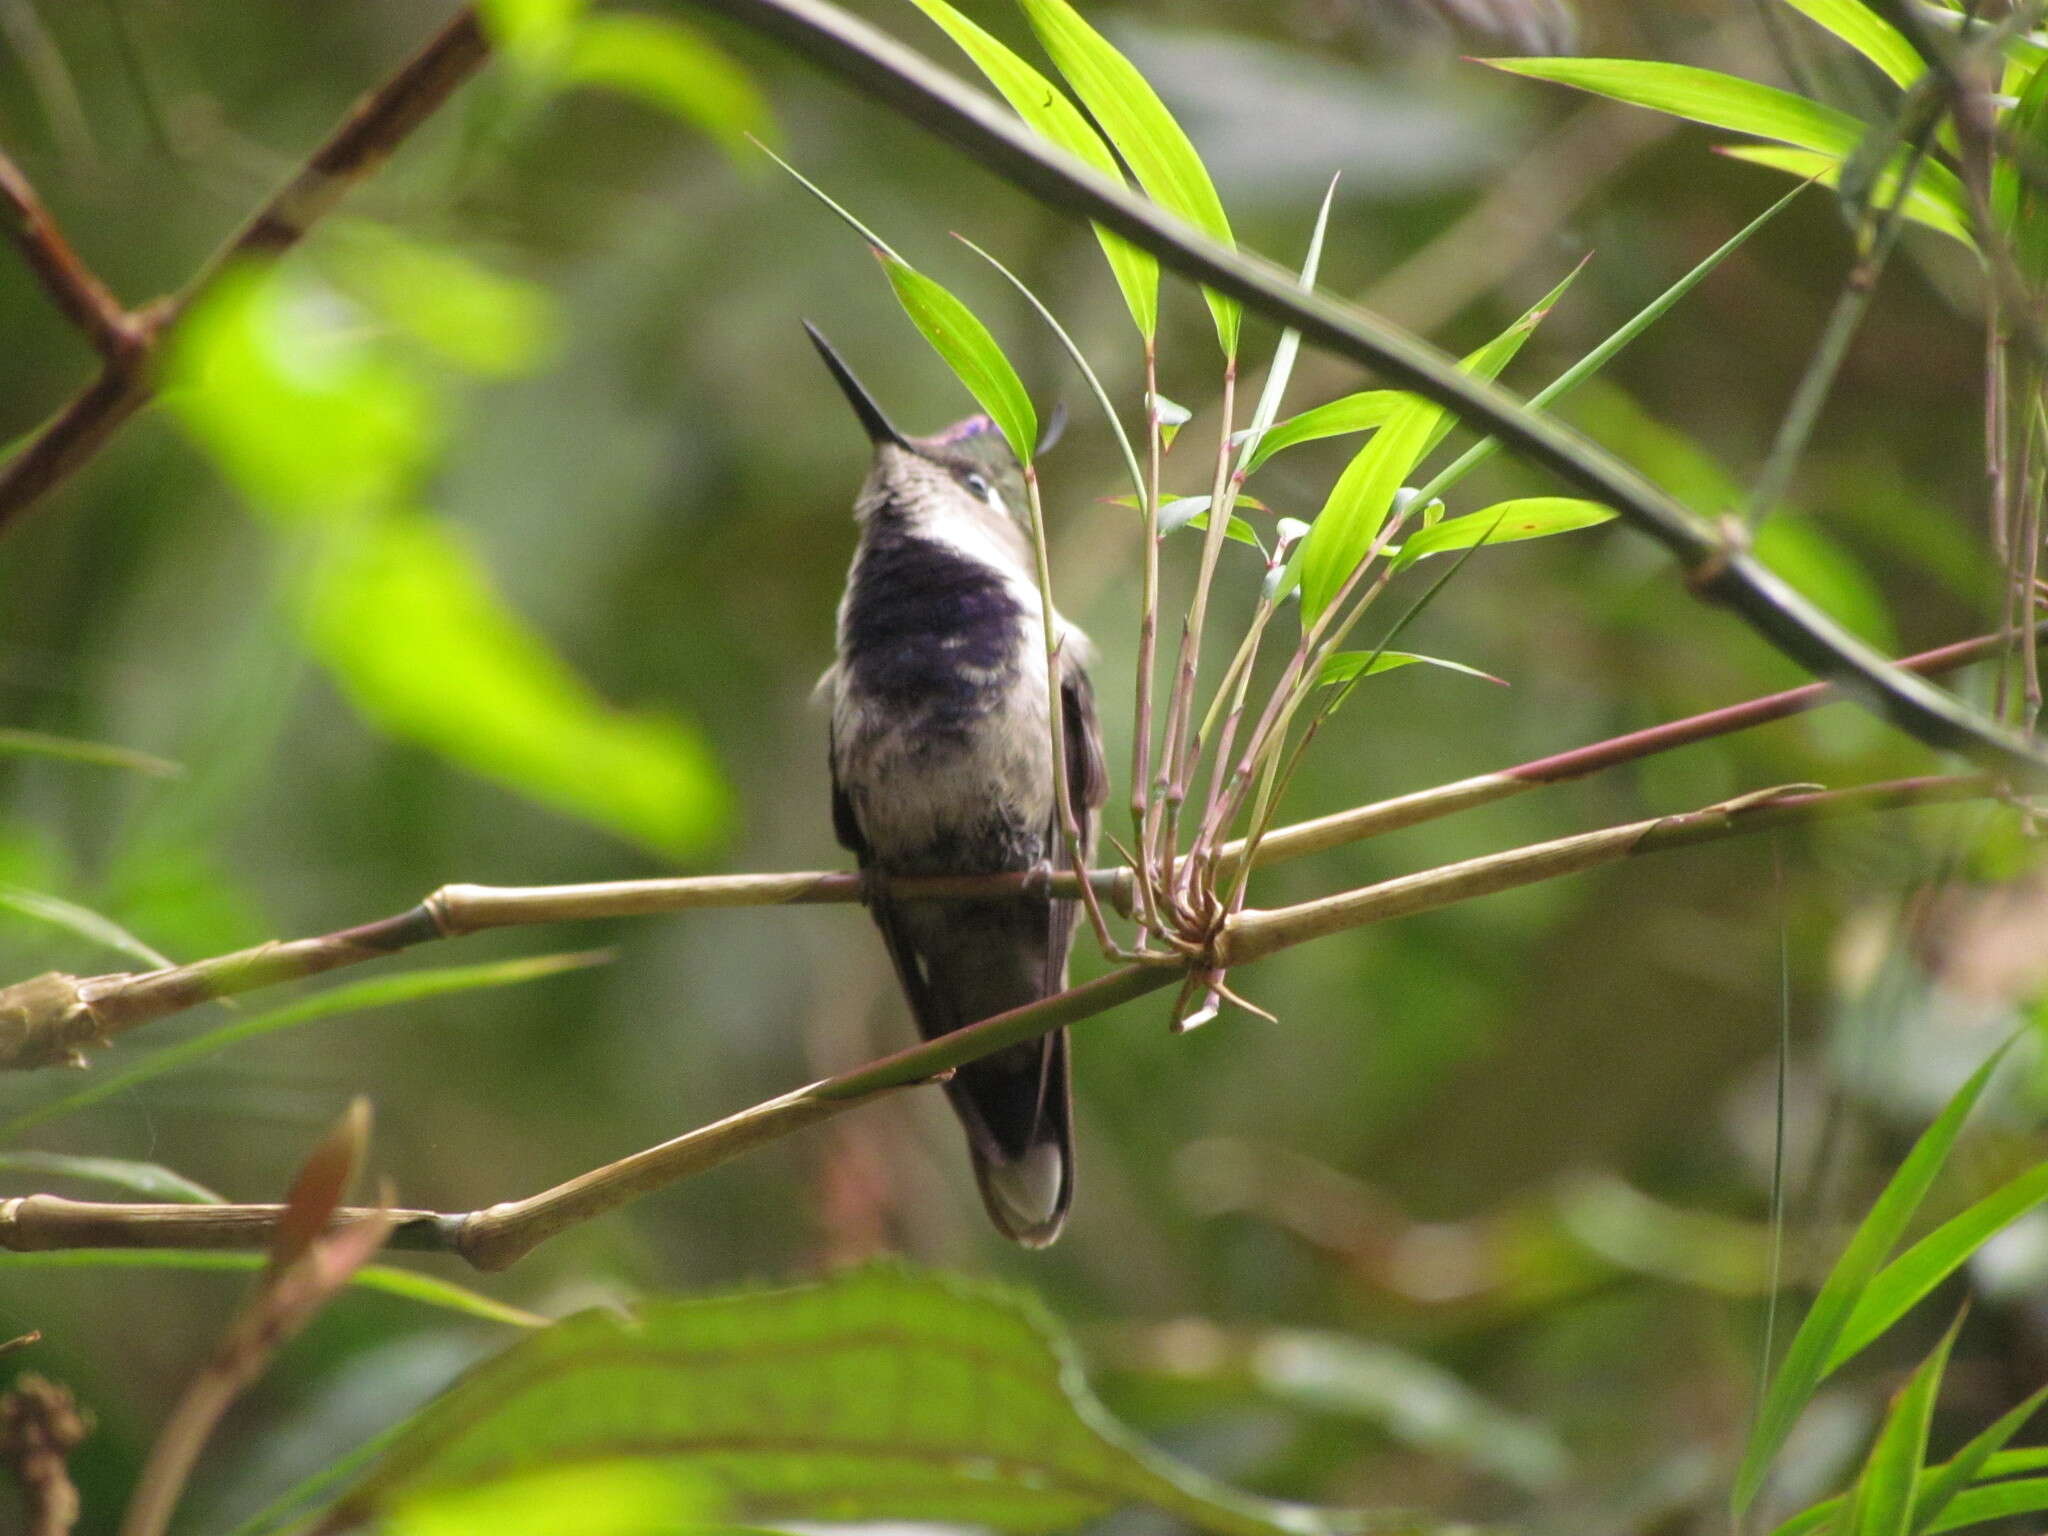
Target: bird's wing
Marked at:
1087, 788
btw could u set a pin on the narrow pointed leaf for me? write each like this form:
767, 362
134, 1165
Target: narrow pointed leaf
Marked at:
1238, 530
1619, 338
1534, 517
151, 1179
878, 1394
1155, 147
1807, 1360
1917, 1271
1343, 666
1728, 101
1940, 1486
1358, 505
82, 921
1881, 1504
839, 209
378, 992
428, 1290
98, 753
1267, 411
1354, 413
1046, 109
966, 347
1922, 206
1856, 24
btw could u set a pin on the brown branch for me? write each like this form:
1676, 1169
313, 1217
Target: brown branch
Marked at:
501, 1234
129, 341
72, 286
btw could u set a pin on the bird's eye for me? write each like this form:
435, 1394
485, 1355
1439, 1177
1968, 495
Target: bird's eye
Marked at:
976, 485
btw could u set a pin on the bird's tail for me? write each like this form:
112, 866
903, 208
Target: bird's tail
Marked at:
963, 962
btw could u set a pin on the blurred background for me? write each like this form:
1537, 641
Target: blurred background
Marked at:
1479, 1225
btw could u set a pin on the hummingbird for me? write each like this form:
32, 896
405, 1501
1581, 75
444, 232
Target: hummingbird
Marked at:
941, 760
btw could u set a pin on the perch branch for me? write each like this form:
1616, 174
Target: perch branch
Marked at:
501, 1234
51, 1020
1716, 563
129, 340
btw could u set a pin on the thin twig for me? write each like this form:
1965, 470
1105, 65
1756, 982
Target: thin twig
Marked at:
363, 141
72, 286
500, 1234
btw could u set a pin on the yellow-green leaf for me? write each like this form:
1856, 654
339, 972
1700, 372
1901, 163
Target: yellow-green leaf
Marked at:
1351, 519
1361, 412
1533, 517
1728, 101
970, 351
1053, 117
1869, 34
1922, 206
1153, 144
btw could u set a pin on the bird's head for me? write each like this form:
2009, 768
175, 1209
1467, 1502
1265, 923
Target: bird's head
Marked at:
971, 456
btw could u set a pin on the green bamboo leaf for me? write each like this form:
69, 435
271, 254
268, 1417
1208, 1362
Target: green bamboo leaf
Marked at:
1354, 413
407, 620
1237, 530
377, 992
1358, 505
1917, 1271
83, 921
1982, 1459
1939, 1487
1869, 34
1600, 356
97, 753
152, 1179
672, 68
1053, 117
1922, 207
1506, 522
1806, 1362
879, 1394
1155, 147
388, 1279
1881, 1504
1345, 666
1995, 1501
965, 346
2016, 197
1728, 101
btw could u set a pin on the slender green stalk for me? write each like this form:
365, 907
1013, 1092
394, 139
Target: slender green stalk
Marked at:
1055, 712
1182, 734
1146, 806
1844, 321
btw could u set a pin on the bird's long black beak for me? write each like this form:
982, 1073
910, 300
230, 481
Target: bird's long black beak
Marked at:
872, 420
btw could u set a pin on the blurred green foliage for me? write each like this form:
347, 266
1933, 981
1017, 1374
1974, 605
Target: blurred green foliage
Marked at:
498, 538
